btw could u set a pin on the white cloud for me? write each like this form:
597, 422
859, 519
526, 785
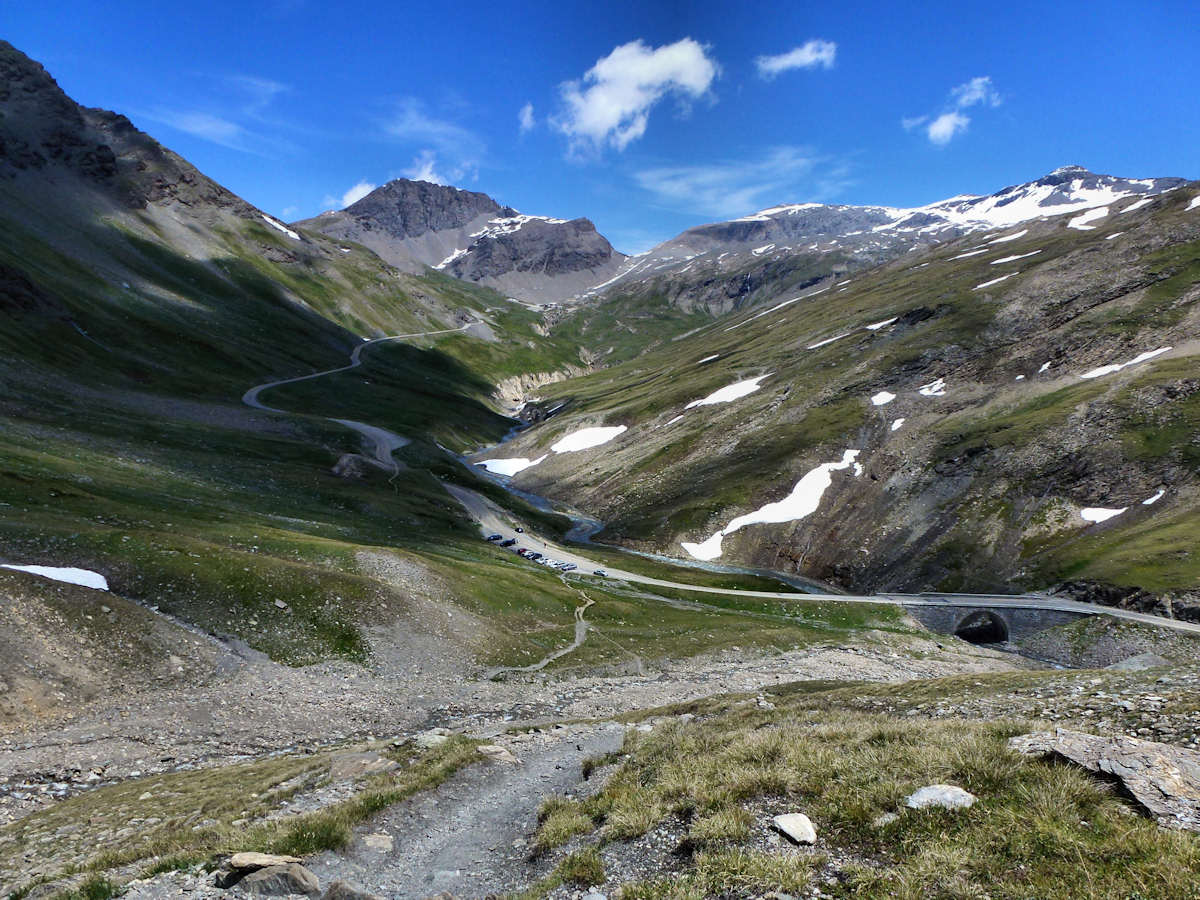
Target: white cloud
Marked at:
357, 192
734, 188
611, 104
203, 125
810, 55
447, 153
977, 90
424, 169
525, 118
952, 121
946, 126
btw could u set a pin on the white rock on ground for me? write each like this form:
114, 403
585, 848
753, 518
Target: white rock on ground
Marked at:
947, 796
797, 827
496, 753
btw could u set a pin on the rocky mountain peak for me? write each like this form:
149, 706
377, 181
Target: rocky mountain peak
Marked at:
405, 208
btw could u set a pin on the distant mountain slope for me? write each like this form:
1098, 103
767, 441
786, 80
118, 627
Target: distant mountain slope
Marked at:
1012, 409
872, 234
413, 224
717, 268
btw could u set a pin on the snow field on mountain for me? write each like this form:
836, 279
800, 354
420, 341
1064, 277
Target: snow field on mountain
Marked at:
510, 466
572, 442
1132, 206
803, 501
1081, 222
586, 438
1096, 514
730, 392
883, 398
1010, 237
69, 574
1117, 367
986, 284
279, 226
1008, 259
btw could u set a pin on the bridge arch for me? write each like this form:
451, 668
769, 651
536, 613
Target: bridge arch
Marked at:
983, 626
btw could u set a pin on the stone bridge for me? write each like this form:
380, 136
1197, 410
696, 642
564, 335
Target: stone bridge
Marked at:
989, 623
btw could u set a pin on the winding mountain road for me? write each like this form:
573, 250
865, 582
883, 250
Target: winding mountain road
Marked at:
492, 519
383, 442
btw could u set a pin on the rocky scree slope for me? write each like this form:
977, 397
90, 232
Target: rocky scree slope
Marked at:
1010, 410
414, 224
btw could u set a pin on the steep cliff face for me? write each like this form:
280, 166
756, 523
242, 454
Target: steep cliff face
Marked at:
414, 224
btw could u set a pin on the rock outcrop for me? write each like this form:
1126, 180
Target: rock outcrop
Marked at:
1164, 780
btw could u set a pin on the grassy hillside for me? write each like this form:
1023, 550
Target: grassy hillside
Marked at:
981, 485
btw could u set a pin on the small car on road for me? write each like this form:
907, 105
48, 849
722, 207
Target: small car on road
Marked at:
495, 537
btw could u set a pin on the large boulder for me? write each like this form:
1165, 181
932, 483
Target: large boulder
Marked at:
1163, 779
281, 881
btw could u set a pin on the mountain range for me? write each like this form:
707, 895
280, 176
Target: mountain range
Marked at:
262, 484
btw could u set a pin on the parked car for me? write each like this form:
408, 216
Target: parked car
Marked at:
567, 567
520, 531
521, 551
601, 573
532, 554
508, 543
495, 537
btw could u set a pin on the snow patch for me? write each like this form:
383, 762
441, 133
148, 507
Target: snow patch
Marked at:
1117, 367
279, 226
1080, 222
1010, 237
1132, 206
1008, 259
800, 503
510, 466
883, 398
827, 341
672, 422
934, 388
1195, 204
1150, 501
1100, 514
1044, 367
85, 577
462, 251
986, 284
884, 324
1115, 234
707, 358
730, 392
898, 424
586, 438
970, 253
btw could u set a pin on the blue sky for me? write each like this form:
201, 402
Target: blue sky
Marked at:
647, 117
